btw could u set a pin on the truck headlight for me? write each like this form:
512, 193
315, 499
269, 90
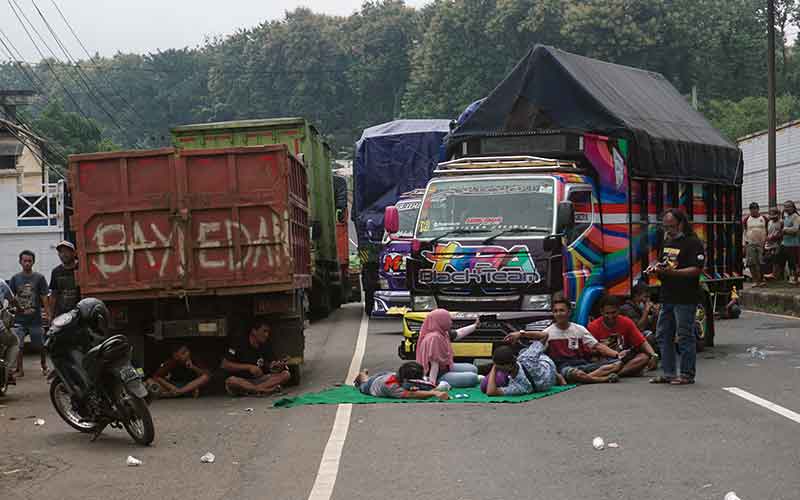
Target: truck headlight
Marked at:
383, 284
423, 303
536, 302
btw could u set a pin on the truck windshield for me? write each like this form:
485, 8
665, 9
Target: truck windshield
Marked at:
407, 210
487, 204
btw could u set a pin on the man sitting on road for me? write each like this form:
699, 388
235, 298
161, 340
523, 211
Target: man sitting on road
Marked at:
570, 346
642, 311
620, 334
180, 375
250, 365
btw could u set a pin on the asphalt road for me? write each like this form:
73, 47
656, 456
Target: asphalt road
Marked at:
691, 442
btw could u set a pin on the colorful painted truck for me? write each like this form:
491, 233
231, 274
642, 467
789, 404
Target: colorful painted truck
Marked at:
391, 159
306, 142
557, 183
192, 245
391, 296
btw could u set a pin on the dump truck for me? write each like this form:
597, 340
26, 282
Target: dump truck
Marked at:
193, 245
305, 141
557, 183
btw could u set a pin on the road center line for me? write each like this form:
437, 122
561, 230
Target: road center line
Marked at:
329, 465
780, 410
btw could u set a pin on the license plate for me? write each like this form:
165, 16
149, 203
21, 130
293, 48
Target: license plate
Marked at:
128, 374
472, 349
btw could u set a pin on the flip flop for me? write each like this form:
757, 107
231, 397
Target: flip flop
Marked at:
682, 381
661, 379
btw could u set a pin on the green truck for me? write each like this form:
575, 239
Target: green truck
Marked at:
306, 142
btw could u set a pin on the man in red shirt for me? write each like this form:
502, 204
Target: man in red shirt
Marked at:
621, 334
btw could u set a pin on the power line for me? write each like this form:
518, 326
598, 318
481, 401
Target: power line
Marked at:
82, 76
20, 65
34, 151
92, 97
49, 66
113, 88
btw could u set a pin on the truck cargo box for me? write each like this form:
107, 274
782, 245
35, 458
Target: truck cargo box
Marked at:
163, 223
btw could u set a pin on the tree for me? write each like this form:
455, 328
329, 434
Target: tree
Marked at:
68, 132
736, 119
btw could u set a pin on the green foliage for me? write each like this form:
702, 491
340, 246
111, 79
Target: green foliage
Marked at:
739, 118
70, 131
389, 60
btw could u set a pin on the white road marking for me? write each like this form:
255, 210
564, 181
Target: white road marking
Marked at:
331, 457
358, 354
780, 410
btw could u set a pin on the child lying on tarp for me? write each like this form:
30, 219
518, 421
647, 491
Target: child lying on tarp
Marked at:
407, 383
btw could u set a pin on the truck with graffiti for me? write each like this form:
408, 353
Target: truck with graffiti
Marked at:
391, 159
391, 296
556, 184
305, 141
195, 244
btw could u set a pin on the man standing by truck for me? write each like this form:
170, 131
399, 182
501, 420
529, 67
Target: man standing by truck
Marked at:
64, 291
682, 261
755, 235
30, 289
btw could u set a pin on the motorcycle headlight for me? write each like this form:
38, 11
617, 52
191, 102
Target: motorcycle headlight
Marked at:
536, 302
423, 303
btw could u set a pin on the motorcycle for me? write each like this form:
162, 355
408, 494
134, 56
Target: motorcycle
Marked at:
93, 383
6, 323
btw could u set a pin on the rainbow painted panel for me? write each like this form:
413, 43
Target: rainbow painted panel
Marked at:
601, 257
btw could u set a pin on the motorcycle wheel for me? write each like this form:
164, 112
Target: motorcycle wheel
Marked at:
62, 402
140, 425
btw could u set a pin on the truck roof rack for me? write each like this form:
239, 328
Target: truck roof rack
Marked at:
493, 164
414, 193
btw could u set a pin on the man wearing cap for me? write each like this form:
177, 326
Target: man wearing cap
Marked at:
755, 235
64, 290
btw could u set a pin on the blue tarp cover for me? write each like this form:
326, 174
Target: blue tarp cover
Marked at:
393, 158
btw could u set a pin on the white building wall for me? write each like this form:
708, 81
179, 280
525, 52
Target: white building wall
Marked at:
41, 240
754, 151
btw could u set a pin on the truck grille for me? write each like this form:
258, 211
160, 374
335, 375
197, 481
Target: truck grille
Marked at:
489, 304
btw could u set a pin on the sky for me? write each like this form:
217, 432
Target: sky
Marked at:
141, 26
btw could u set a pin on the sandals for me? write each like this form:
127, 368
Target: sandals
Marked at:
682, 381
613, 378
661, 379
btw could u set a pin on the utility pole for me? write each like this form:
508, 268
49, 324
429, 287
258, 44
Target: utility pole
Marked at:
771, 166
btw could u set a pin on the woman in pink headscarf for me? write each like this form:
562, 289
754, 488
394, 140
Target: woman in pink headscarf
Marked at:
435, 353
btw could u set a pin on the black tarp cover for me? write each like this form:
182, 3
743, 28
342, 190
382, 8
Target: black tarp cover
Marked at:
550, 89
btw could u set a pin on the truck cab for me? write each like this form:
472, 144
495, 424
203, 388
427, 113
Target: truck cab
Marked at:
500, 235
392, 297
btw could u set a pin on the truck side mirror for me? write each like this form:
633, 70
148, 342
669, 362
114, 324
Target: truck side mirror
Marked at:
391, 220
565, 216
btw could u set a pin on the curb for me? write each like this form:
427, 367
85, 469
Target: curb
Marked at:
786, 302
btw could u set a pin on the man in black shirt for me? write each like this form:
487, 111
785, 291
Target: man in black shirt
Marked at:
251, 366
682, 261
64, 290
